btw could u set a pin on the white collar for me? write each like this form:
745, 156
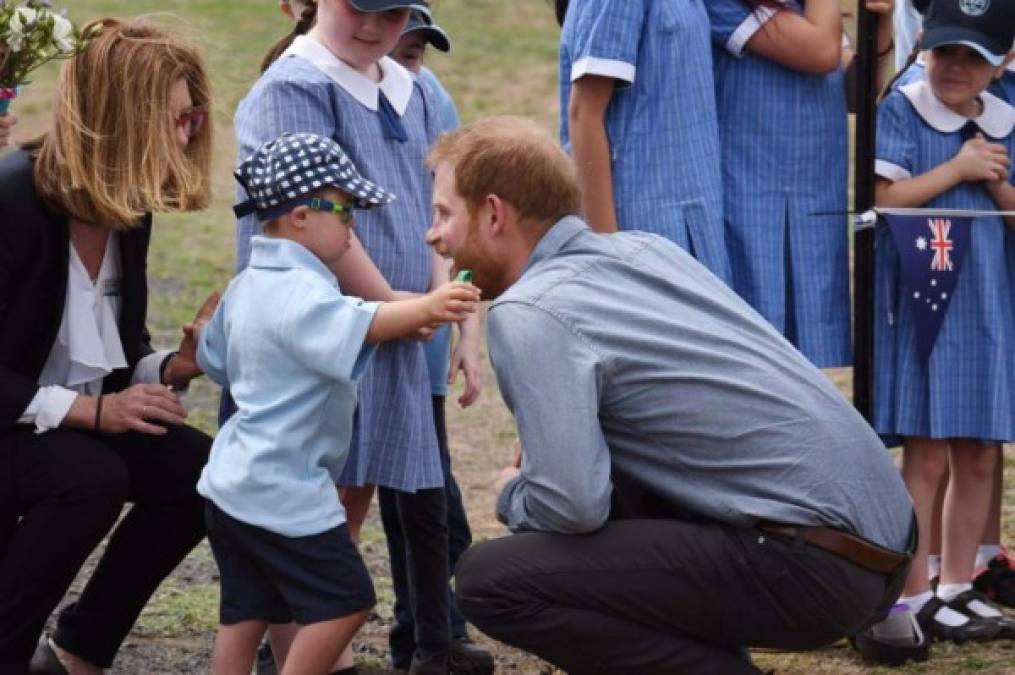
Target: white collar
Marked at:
997, 119
396, 82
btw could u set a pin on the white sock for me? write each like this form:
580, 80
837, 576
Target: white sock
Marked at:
916, 602
945, 615
948, 591
985, 553
933, 566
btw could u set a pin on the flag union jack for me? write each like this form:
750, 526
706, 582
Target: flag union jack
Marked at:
941, 244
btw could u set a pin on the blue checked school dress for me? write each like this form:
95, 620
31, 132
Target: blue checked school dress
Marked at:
394, 443
661, 121
967, 387
784, 160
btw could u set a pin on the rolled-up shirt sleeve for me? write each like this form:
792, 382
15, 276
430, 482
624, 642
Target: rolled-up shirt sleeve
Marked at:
551, 380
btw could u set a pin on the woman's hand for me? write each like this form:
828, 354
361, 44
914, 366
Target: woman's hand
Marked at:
979, 160
6, 123
880, 6
137, 407
182, 366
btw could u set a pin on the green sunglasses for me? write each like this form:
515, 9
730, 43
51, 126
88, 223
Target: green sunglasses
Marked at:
344, 212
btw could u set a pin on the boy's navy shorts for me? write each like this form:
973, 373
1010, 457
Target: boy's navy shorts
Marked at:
266, 576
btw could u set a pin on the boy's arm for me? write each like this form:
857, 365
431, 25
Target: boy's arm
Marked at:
403, 318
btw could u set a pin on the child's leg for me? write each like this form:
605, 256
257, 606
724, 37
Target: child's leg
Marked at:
966, 506
317, 645
934, 564
236, 646
281, 636
924, 462
992, 531
356, 500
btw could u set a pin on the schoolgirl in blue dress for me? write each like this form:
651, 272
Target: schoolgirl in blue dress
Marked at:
945, 142
782, 102
337, 81
637, 112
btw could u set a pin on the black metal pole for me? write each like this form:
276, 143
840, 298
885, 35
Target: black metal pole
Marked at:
863, 200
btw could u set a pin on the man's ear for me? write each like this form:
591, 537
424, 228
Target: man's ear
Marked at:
497, 211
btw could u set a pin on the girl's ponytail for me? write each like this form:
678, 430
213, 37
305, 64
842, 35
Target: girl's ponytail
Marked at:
910, 60
303, 26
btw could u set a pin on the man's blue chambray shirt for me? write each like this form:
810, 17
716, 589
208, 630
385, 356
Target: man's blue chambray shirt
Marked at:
622, 352
291, 348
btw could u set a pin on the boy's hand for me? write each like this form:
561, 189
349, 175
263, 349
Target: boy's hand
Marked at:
979, 160
6, 122
451, 302
182, 367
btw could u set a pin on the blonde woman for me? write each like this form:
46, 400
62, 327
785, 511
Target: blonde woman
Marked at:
88, 416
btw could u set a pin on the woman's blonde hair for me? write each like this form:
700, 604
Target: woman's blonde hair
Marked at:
111, 153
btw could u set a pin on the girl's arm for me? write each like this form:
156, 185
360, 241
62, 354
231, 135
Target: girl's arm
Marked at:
590, 146
885, 41
810, 42
977, 161
1003, 193
358, 276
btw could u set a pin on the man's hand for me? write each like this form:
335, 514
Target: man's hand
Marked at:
506, 475
182, 366
466, 358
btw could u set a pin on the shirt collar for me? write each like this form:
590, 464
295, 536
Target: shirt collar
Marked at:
996, 120
396, 82
563, 231
268, 253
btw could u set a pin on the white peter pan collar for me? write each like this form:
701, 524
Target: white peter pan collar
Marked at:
997, 119
396, 82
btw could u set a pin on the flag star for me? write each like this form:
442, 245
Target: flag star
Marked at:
944, 296
916, 295
934, 307
933, 282
921, 244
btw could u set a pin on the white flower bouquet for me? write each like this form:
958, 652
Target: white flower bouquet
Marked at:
31, 34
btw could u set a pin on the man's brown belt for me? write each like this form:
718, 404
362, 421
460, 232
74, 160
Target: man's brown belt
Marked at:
859, 551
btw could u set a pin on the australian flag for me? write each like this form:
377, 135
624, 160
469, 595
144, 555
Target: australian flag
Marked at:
931, 250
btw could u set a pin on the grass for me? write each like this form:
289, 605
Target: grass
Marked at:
504, 61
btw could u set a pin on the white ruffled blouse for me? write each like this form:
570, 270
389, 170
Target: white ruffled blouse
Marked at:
87, 346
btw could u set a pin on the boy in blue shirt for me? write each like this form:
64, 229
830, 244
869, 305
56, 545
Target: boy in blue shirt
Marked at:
291, 348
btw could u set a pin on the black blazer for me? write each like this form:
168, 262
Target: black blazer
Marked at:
34, 259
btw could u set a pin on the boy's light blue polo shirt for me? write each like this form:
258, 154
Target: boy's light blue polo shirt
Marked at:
291, 349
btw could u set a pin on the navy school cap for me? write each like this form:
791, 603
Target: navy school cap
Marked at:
435, 35
283, 172
988, 26
384, 5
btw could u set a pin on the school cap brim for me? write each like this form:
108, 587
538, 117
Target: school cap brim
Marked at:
967, 37
433, 33
384, 5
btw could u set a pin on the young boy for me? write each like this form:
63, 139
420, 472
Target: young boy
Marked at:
291, 347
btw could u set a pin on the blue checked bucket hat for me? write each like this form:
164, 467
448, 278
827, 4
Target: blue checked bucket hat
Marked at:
282, 174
